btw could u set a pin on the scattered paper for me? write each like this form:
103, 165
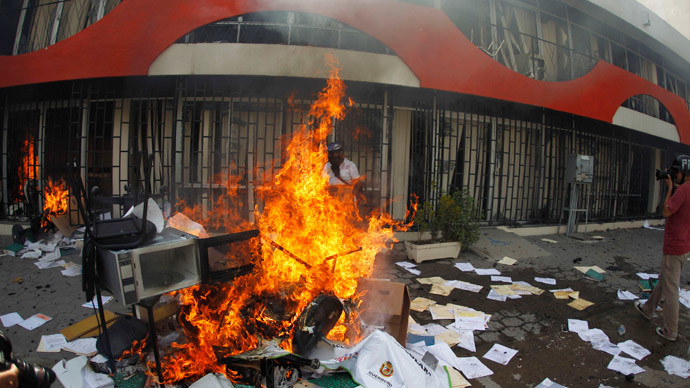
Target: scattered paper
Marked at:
525, 287
486, 271
500, 354
441, 312
49, 264
598, 237
51, 343
433, 280
464, 285
472, 368
470, 320
493, 295
99, 359
577, 325
34, 321
626, 295
502, 289
448, 336
72, 270
562, 289
433, 329
464, 267
456, 379
580, 304
32, 254
593, 336
647, 276
634, 349
82, 346
624, 365
684, 297
440, 289
548, 240
420, 304
607, 347
94, 302
507, 261
546, 383
11, 319
566, 294
676, 366
69, 372
406, 264
550, 281
504, 279
466, 339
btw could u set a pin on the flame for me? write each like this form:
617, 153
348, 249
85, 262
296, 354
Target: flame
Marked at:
27, 165
55, 199
313, 242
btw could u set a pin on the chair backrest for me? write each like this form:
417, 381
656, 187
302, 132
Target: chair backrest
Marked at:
113, 234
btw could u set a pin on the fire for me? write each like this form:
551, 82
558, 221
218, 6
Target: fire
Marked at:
27, 165
313, 243
55, 198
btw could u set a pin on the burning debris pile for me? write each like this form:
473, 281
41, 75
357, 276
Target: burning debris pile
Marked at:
313, 245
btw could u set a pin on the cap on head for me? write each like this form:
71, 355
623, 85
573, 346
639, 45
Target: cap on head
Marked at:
335, 146
681, 163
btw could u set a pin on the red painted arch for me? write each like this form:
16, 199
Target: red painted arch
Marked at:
128, 39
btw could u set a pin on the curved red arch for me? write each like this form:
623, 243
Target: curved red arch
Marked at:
127, 40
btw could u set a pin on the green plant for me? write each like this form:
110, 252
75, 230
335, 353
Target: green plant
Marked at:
455, 218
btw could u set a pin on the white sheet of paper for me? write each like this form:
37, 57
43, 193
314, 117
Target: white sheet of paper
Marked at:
626, 295
69, 372
433, 329
48, 247
32, 254
547, 383
466, 339
82, 346
94, 302
634, 349
100, 359
472, 368
153, 214
52, 343
676, 366
34, 321
51, 256
684, 297
493, 295
507, 261
607, 347
73, 270
647, 276
624, 365
464, 285
577, 325
563, 289
500, 354
593, 336
504, 279
414, 271
11, 319
406, 264
548, 240
464, 267
487, 271
550, 281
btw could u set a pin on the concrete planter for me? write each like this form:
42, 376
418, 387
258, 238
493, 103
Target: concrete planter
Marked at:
432, 251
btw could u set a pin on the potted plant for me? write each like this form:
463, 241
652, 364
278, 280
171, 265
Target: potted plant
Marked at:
453, 225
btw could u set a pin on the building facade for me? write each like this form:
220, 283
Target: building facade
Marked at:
485, 95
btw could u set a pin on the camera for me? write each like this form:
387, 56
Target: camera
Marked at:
663, 174
30, 375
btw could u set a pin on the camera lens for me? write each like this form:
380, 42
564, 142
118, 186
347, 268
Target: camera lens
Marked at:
31, 375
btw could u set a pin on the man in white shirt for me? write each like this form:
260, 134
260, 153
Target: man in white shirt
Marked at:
340, 170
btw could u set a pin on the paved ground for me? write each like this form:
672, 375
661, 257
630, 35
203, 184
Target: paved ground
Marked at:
533, 325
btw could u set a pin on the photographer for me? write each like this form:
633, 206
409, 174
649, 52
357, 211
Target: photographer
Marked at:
676, 247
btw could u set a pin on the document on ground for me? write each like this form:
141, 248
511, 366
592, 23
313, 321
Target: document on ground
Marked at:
504, 279
11, 319
624, 365
82, 346
464, 267
500, 354
634, 349
472, 368
51, 343
34, 321
580, 304
432, 280
464, 285
676, 366
547, 383
550, 281
487, 271
507, 261
440, 289
626, 295
420, 304
577, 325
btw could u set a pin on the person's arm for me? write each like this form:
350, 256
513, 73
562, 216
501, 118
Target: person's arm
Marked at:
10, 378
667, 212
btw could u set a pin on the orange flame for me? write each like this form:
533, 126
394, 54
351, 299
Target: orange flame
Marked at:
27, 165
326, 248
55, 198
